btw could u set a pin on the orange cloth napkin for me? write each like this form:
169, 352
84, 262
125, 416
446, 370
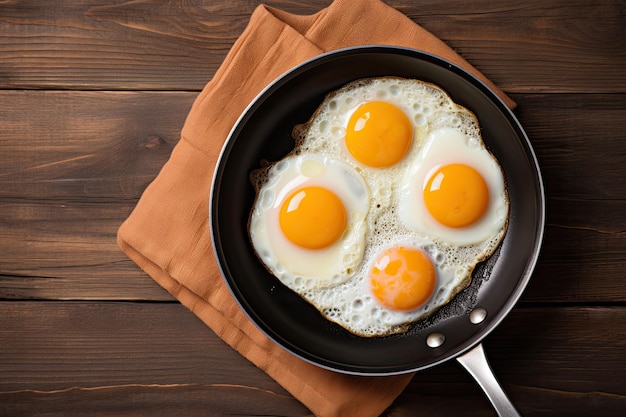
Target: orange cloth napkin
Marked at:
167, 234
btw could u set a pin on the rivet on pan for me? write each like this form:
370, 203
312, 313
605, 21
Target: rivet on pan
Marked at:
478, 315
435, 339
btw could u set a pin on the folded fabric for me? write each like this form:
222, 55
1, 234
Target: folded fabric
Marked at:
168, 236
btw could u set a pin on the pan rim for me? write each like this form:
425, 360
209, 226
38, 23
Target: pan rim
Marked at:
522, 281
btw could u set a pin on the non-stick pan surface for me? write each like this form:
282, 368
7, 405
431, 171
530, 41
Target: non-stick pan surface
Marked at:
263, 132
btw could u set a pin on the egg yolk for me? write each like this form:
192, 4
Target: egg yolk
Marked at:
403, 278
378, 134
312, 217
456, 195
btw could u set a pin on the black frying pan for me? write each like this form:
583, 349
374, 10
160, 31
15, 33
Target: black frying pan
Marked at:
263, 132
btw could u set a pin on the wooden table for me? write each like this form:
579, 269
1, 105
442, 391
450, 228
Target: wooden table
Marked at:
93, 95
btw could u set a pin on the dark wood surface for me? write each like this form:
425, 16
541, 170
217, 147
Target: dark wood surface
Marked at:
93, 94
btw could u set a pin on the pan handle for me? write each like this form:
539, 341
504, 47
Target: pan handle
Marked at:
475, 362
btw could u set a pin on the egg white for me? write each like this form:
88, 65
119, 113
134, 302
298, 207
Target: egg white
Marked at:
449, 146
297, 267
345, 297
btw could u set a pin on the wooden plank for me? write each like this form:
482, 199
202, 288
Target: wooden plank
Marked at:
524, 46
528, 46
118, 45
73, 166
578, 265
153, 400
86, 145
73, 152
240, 400
75, 358
582, 162
68, 251
577, 139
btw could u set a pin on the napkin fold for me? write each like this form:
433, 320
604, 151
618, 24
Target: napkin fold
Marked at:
168, 235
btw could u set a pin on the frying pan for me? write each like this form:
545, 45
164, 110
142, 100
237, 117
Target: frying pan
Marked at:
263, 132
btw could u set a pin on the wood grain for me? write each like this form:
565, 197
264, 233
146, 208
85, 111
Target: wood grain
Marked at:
86, 145
212, 400
149, 358
524, 46
73, 170
93, 95
73, 166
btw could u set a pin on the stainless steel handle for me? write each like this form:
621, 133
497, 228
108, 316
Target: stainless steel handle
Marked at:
475, 362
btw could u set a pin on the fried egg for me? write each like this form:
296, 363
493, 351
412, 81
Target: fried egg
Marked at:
403, 279
455, 190
401, 258
308, 224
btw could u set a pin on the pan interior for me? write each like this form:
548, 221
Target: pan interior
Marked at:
264, 133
